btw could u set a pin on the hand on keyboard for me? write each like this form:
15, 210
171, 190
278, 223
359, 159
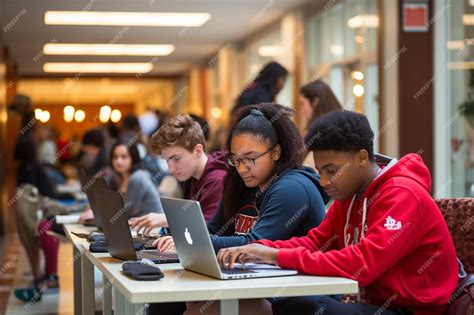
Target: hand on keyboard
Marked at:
165, 244
227, 257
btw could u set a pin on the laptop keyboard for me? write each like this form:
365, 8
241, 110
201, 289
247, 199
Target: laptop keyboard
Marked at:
154, 256
236, 271
146, 242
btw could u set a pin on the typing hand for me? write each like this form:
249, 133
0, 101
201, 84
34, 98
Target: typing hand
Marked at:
251, 253
147, 222
165, 244
86, 215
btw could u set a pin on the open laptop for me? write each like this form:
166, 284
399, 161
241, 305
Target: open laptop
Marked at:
120, 244
89, 184
195, 249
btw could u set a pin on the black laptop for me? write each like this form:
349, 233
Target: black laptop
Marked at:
120, 244
89, 184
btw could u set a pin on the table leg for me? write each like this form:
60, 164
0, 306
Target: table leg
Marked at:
230, 307
88, 286
134, 309
76, 260
119, 303
107, 297
124, 307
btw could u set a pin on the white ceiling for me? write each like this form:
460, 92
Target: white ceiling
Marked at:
231, 21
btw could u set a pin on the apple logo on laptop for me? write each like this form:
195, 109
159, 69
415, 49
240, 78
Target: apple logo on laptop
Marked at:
187, 235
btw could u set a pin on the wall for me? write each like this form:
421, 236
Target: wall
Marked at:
415, 93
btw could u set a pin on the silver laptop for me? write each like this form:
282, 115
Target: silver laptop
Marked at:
194, 246
117, 232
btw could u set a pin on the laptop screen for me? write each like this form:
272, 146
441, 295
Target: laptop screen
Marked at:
89, 184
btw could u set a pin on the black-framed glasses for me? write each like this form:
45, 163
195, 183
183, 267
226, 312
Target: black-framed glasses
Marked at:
248, 162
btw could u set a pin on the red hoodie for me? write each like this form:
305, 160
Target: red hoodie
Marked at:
404, 258
208, 189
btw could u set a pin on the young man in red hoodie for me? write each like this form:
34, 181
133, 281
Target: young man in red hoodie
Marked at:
383, 230
180, 141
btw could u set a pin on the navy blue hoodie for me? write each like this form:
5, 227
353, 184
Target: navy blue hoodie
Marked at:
291, 205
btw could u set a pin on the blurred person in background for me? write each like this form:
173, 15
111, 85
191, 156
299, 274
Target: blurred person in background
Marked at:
130, 178
131, 132
127, 178
25, 152
219, 140
48, 154
21, 105
316, 100
206, 129
94, 156
47, 150
264, 88
153, 163
29, 170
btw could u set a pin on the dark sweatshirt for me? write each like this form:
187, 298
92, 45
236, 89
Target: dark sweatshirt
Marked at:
30, 171
208, 189
255, 94
290, 206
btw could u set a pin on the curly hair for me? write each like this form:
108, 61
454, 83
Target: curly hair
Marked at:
181, 131
344, 131
276, 127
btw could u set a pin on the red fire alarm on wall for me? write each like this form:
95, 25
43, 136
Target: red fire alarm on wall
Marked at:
415, 17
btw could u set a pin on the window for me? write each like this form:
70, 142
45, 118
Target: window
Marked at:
341, 41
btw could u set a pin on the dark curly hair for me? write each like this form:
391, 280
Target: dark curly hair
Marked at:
344, 131
275, 126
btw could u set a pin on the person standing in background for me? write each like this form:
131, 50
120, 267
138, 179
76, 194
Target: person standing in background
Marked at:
264, 88
316, 100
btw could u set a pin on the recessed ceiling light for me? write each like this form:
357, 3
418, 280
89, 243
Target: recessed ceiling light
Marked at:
363, 20
108, 49
269, 51
79, 115
357, 75
126, 18
337, 50
97, 67
468, 19
115, 115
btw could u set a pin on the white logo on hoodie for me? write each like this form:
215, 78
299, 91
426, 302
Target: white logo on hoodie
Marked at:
391, 224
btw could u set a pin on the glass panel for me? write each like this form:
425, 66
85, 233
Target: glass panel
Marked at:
343, 39
336, 82
460, 124
371, 107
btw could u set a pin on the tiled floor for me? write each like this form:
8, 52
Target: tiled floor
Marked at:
61, 302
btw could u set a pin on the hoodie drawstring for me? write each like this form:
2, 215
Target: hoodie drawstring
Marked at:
364, 218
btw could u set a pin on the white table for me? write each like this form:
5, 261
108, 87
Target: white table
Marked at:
180, 285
